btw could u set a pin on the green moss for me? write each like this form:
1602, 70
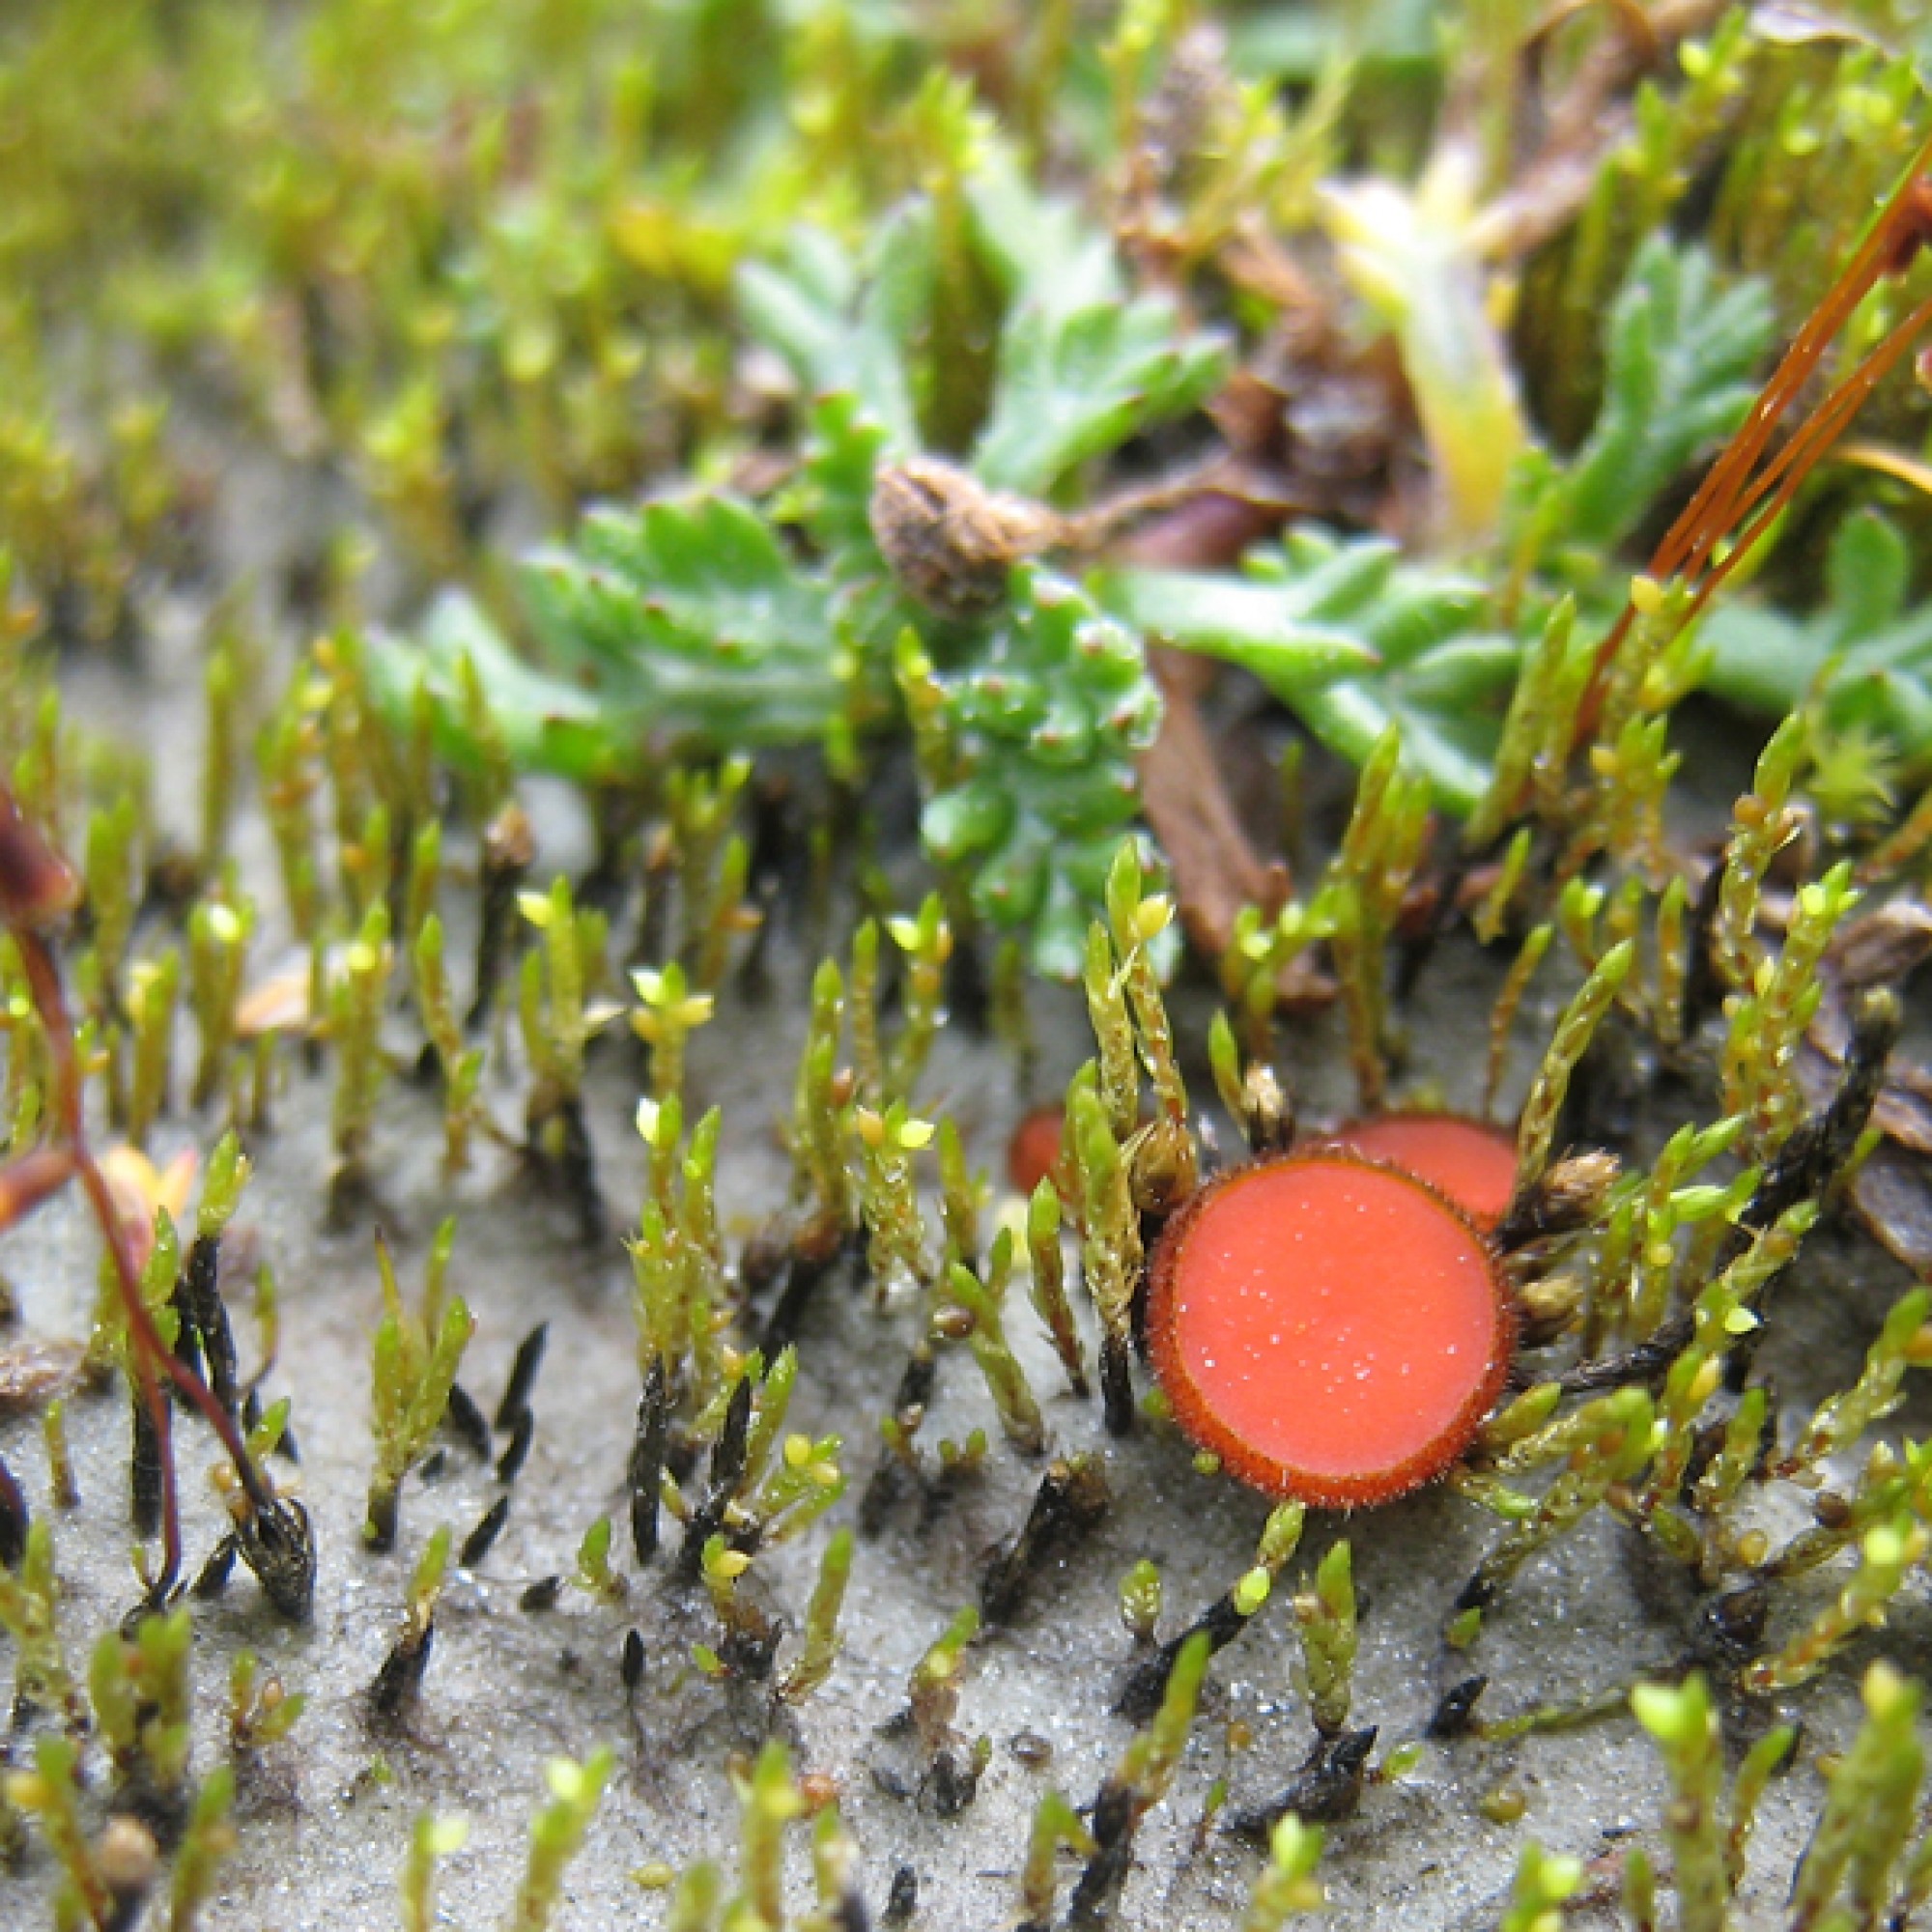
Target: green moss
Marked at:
731, 421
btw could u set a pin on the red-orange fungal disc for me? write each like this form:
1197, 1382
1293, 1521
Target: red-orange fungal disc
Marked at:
1469, 1160
1033, 1152
1331, 1327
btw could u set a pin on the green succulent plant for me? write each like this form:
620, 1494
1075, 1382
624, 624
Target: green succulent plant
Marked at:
1041, 732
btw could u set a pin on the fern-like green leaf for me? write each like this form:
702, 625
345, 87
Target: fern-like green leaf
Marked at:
692, 605
1075, 386
1245, 621
1081, 366
681, 621
1352, 639
1865, 653
845, 325
1677, 358
831, 497
547, 723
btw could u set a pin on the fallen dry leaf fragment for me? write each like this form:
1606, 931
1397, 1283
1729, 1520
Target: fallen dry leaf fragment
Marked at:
33, 1371
1217, 871
279, 1005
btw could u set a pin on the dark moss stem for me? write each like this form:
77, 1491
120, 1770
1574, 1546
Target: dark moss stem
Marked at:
644, 1474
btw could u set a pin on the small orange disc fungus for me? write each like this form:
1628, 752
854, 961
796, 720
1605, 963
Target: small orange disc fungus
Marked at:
1470, 1161
1333, 1328
1033, 1152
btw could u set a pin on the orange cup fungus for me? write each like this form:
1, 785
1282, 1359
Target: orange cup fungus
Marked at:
1333, 1328
1033, 1152
1470, 1161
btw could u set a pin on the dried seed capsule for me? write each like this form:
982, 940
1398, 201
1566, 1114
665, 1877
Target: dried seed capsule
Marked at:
951, 541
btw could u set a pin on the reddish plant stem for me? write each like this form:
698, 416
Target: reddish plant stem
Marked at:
148, 1351
1714, 507
1730, 492
1782, 476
